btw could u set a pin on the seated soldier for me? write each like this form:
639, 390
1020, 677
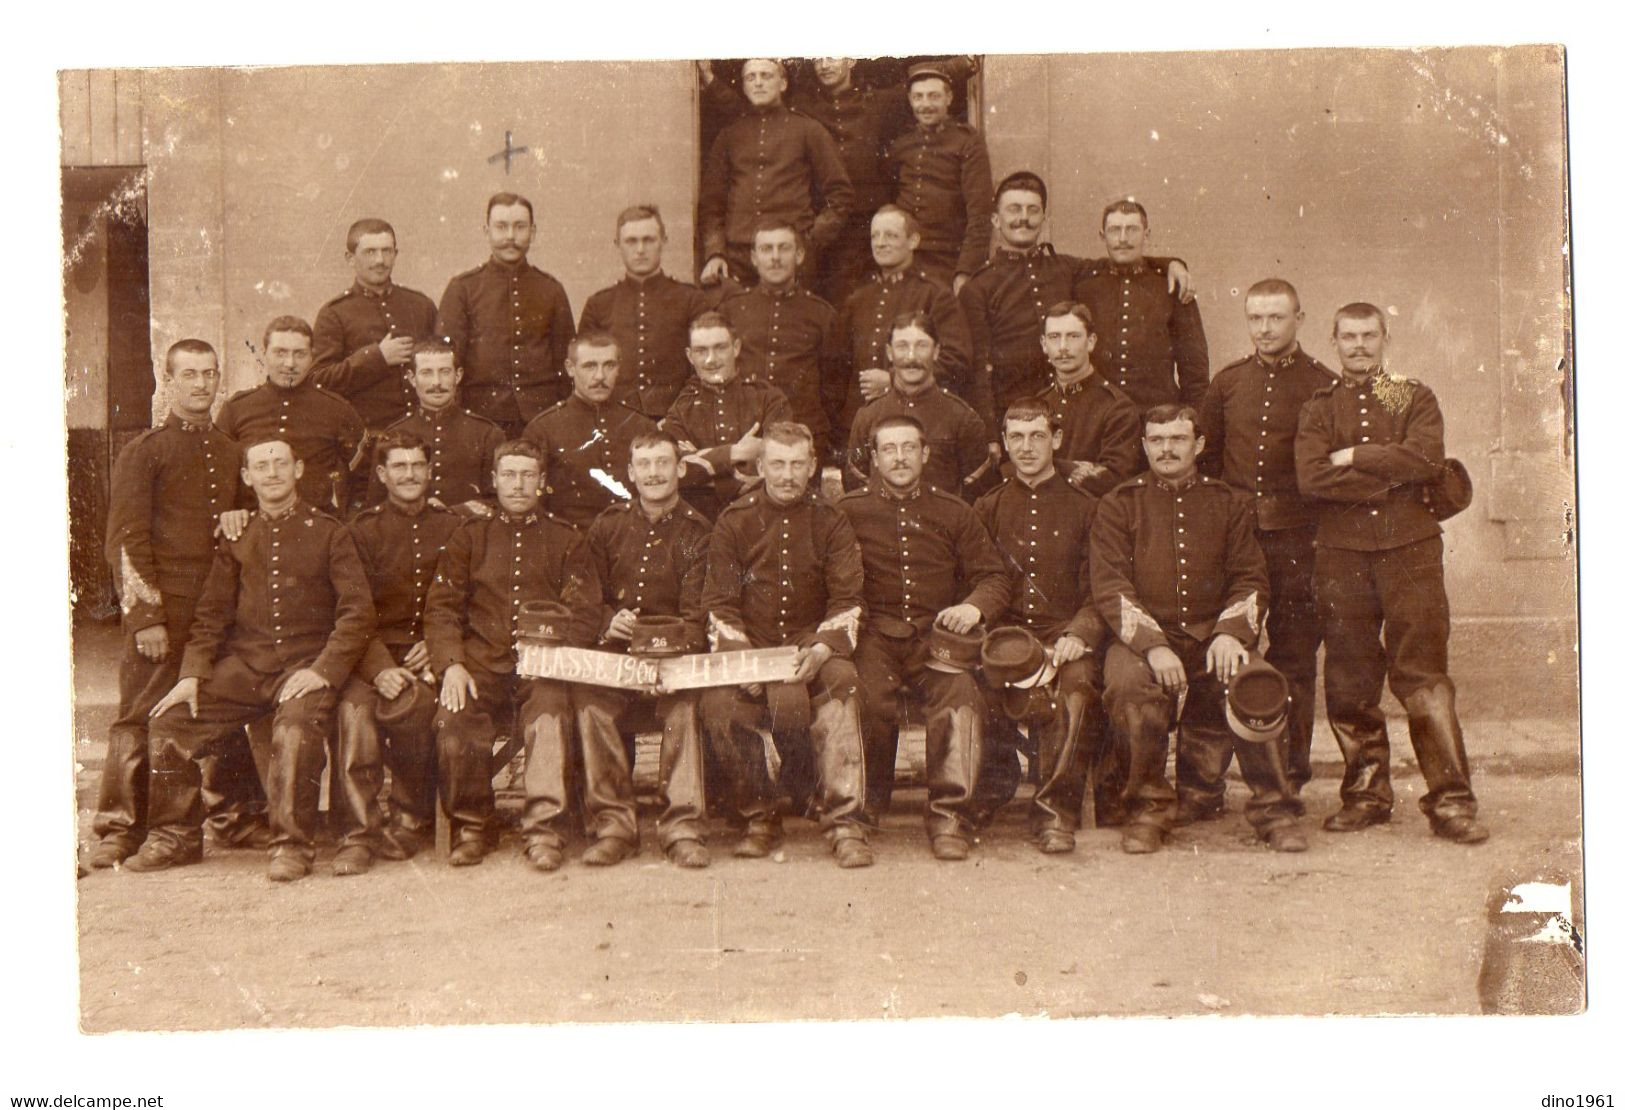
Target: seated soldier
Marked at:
458, 442
284, 617
645, 560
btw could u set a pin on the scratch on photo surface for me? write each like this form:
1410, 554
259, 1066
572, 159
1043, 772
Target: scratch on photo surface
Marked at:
249, 997
121, 206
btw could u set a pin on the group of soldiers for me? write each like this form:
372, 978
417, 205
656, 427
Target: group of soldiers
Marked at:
1061, 539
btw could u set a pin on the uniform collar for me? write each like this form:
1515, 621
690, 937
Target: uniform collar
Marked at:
1035, 487
1177, 487
421, 507
375, 294
439, 416
670, 511
719, 390
917, 395
595, 408
174, 420
1078, 385
892, 279
509, 518
648, 279
780, 292
502, 267
1137, 267
1289, 358
277, 518
1365, 382
892, 495
303, 387
1007, 254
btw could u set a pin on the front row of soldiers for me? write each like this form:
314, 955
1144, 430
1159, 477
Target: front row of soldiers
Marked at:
1098, 623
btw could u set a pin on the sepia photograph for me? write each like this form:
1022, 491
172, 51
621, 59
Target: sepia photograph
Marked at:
800, 543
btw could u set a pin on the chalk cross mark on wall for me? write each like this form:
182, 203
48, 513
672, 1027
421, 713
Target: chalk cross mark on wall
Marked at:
506, 154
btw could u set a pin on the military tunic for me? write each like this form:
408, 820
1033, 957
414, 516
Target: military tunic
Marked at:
655, 567
712, 419
1042, 534
461, 446
511, 326
787, 339
345, 353
1151, 346
323, 428
1004, 303
1098, 424
399, 551
955, 434
649, 319
864, 334
586, 450
944, 178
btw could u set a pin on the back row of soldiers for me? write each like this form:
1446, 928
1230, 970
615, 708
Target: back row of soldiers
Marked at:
1145, 589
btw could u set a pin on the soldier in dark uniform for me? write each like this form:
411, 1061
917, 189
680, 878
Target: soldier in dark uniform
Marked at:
399, 542
323, 429
364, 336
1178, 576
719, 417
786, 333
647, 313
284, 617
1005, 300
926, 560
785, 568
490, 568
1099, 442
961, 449
645, 559
509, 323
459, 442
1040, 526
1152, 346
170, 487
943, 176
1366, 449
865, 326
1250, 417
771, 162
586, 439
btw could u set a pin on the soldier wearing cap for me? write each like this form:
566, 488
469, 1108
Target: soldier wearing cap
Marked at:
1178, 576
1250, 417
364, 336
771, 162
648, 313
1006, 298
719, 417
1099, 428
323, 429
170, 487
942, 173
961, 449
786, 332
586, 438
865, 325
471, 619
459, 443
386, 709
1152, 346
927, 561
283, 619
509, 323
1040, 525
645, 566
1366, 450
784, 568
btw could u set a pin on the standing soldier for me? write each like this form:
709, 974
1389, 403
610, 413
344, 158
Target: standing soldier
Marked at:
1366, 450
771, 162
1006, 298
784, 569
1152, 345
509, 323
647, 313
1250, 416
458, 442
586, 439
490, 569
786, 333
718, 417
170, 487
1178, 575
1097, 446
943, 177
323, 429
390, 699
645, 561
927, 561
284, 617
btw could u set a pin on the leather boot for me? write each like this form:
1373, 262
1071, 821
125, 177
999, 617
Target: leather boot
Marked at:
1368, 793
953, 758
606, 775
1441, 753
682, 796
121, 800
880, 766
838, 748
1063, 762
1150, 798
298, 757
547, 775
359, 775
1300, 730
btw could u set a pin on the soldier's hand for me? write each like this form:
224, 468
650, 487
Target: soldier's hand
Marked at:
716, 270
417, 657
873, 382
1225, 655
396, 349
960, 618
1343, 456
808, 662
232, 523
153, 643
1070, 647
1179, 282
183, 692
1169, 670
621, 625
301, 682
457, 689
959, 282
1081, 472
392, 681
749, 446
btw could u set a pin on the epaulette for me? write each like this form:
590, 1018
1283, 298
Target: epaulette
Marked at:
551, 408
471, 271
690, 511
1323, 368
1239, 362
342, 296
1139, 481
1326, 390
936, 492
964, 404
1116, 390
322, 513
367, 510
148, 434
747, 500
853, 495
481, 419
811, 296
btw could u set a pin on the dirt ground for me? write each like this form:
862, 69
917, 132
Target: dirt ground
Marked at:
1390, 920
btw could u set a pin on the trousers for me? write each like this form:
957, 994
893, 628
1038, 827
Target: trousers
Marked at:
1065, 719
365, 748
603, 716
1293, 635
